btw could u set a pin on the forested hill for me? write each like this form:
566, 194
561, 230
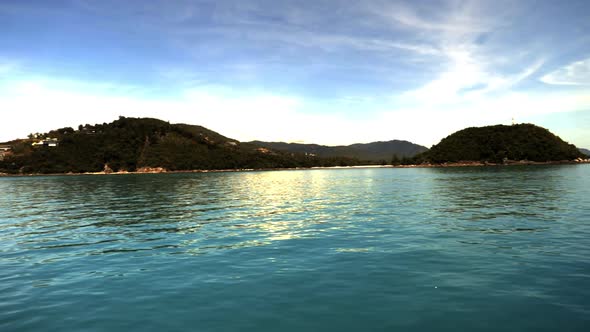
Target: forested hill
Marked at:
585, 151
375, 151
500, 143
132, 143
129, 144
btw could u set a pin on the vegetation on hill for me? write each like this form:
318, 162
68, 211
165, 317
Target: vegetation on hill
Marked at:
376, 152
132, 143
585, 151
496, 144
129, 144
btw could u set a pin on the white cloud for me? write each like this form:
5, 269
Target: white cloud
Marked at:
469, 90
576, 73
427, 123
38, 106
42, 105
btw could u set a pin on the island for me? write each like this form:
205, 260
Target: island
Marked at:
146, 145
501, 144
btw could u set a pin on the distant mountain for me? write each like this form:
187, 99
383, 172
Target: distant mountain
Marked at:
498, 143
375, 151
585, 151
130, 144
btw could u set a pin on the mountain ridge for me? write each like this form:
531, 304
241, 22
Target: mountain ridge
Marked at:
373, 151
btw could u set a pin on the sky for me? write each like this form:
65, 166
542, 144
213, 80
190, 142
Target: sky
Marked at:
328, 72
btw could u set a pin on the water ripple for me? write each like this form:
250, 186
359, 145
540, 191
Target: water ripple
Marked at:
410, 248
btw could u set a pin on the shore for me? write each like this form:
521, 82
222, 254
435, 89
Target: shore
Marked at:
160, 170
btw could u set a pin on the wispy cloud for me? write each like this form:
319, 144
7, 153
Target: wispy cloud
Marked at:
470, 71
331, 72
449, 17
284, 30
576, 73
467, 79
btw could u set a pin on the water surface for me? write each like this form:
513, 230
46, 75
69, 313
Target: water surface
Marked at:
478, 249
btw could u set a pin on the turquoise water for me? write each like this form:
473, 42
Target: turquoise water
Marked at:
457, 249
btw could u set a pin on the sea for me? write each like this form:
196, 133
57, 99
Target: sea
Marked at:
503, 248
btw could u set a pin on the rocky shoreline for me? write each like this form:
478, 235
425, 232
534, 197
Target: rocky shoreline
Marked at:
161, 170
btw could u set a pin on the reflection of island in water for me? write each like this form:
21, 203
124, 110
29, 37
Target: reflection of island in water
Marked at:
499, 200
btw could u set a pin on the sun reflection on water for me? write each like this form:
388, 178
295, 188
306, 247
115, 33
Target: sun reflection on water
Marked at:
284, 201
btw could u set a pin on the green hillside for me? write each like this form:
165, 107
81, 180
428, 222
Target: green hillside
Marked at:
131, 143
500, 143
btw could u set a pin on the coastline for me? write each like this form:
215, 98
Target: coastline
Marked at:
160, 170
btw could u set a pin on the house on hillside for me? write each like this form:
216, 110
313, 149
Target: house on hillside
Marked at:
88, 130
263, 150
49, 142
5, 150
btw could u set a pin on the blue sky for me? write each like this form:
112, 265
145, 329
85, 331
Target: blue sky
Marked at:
328, 72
